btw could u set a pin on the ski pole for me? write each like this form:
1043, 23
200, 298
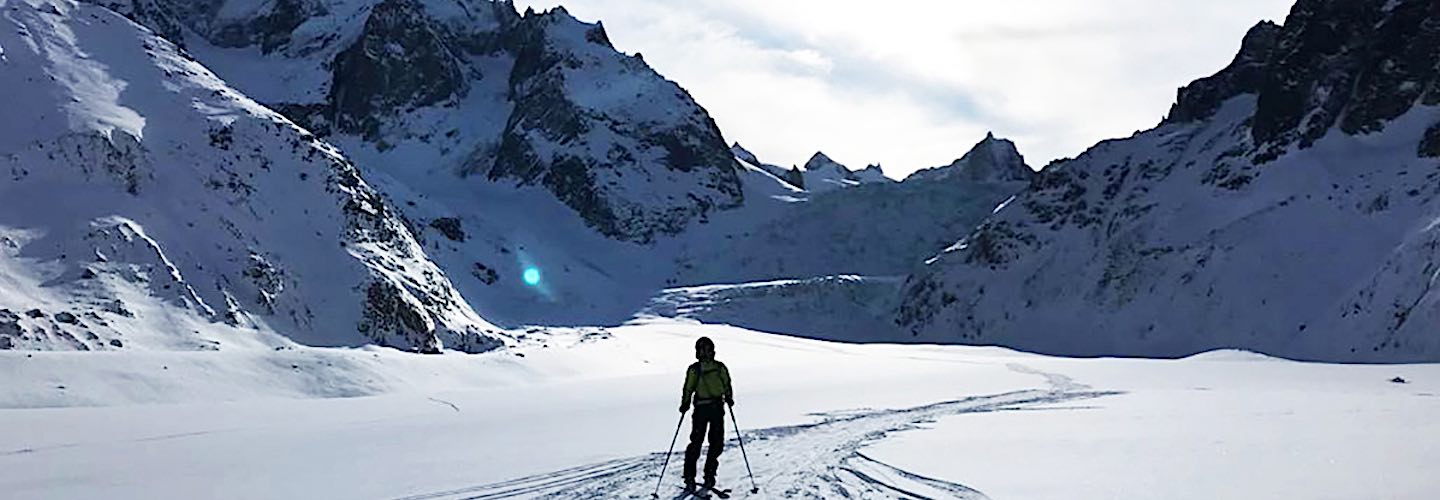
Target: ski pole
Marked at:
753, 488
667, 456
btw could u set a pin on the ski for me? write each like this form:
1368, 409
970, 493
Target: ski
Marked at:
718, 492
700, 491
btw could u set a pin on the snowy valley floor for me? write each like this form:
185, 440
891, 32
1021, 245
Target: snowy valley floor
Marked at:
588, 413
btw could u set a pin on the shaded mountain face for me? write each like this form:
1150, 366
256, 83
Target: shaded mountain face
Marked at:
538, 99
991, 160
146, 204
1285, 206
1351, 65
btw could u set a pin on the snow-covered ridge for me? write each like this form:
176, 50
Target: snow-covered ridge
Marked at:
535, 99
147, 204
1234, 224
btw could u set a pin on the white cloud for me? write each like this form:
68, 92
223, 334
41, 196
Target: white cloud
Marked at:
913, 83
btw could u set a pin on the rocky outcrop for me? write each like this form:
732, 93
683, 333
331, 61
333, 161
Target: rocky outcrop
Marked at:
664, 146
1354, 65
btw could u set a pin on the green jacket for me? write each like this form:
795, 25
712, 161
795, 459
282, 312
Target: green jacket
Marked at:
707, 381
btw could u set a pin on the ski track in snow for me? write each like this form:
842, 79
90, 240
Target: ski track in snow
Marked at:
815, 460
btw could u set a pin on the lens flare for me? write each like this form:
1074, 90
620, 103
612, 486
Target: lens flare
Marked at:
532, 276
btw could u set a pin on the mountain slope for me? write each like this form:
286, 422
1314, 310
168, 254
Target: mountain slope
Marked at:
147, 204
538, 99
524, 145
1286, 206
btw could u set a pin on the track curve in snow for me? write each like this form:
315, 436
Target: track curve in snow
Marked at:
823, 459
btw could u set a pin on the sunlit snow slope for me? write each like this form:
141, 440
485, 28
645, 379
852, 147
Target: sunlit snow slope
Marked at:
145, 204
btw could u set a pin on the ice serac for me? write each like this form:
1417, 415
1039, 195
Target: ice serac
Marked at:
146, 204
1286, 205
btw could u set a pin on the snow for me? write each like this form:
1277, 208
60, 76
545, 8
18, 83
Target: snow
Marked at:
588, 413
203, 221
85, 95
1198, 428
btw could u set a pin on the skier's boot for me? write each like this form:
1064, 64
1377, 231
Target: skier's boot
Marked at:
690, 484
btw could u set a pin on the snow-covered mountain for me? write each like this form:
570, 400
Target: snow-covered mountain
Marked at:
820, 173
871, 228
1286, 205
423, 88
824, 174
146, 204
523, 145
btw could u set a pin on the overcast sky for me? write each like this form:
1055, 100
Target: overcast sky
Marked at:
912, 84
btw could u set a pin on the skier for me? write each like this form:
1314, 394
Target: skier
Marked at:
708, 383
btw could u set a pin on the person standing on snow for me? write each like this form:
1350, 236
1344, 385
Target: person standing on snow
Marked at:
707, 382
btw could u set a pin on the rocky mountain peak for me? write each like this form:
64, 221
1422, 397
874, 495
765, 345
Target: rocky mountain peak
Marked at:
990, 160
819, 161
744, 154
1352, 64
1201, 98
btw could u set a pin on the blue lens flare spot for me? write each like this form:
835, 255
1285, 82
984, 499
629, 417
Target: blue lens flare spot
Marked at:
532, 276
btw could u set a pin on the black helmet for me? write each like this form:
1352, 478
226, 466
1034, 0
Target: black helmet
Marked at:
705, 343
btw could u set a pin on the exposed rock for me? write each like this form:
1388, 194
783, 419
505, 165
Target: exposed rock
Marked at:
392, 317
1430, 145
485, 274
399, 61
1244, 75
450, 227
1355, 63
552, 116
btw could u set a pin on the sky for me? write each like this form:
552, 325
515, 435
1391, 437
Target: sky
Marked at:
912, 84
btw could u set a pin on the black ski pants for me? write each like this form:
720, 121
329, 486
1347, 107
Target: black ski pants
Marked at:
711, 417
